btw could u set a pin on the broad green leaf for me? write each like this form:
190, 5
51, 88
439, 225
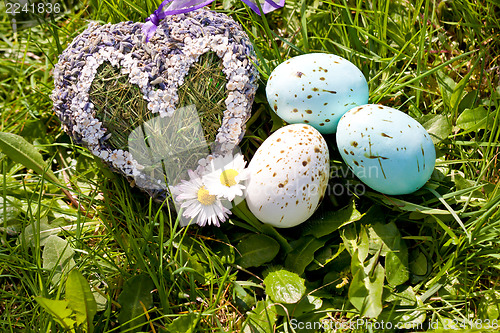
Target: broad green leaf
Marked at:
387, 239
385, 236
458, 91
100, 299
9, 209
363, 244
256, 250
272, 232
60, 311
405, 297
134, 298
350, 239
366, 287
57, 255
321, 258
467, 101
35, 130
21, 151
183, 324
81, 299
302, 254
437, 125
489, 306
45, 231
306, 305
396, 266
284, 286
242, 211
447, 86
261, 319
475, 119
332, 221
419, 265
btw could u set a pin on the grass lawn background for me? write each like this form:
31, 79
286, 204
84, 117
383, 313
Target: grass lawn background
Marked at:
438, 61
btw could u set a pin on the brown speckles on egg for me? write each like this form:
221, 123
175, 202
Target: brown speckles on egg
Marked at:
306, 121
309, 96
356, 110
322, 78
308, 111
330, 91
315, 89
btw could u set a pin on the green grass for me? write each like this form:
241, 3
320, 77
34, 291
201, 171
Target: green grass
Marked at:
436, 61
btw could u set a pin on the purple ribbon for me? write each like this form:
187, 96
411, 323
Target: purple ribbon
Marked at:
184, 6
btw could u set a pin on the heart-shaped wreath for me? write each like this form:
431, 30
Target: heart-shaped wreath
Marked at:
146, 108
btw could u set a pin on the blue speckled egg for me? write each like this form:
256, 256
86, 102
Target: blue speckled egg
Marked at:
386, 149
316, 89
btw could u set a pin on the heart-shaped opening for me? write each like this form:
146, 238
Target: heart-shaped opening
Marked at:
121, 107
118, 104
205, 87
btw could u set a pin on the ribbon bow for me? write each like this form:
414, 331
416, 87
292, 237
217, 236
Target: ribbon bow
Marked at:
184, 6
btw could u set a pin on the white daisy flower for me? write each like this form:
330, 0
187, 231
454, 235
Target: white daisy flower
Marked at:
196, 201
226, 176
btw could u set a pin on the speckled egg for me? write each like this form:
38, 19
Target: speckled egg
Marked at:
386, 149
316, 89
288, 176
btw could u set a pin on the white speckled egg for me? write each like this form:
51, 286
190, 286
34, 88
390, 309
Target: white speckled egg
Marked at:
316, 89
386, 149
289, 176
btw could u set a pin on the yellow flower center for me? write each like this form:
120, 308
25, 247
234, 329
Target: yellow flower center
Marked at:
227, 177
204, 197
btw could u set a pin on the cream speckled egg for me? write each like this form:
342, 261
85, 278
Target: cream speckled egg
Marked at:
289, 176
